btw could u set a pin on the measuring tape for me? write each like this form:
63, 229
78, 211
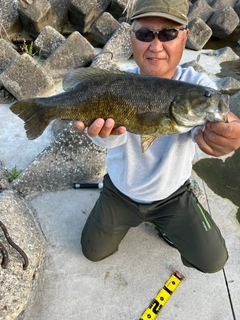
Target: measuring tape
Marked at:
163, 296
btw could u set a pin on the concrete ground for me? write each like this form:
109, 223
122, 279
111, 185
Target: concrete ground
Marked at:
122, 286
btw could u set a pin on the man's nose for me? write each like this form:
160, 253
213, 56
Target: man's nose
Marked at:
156, 44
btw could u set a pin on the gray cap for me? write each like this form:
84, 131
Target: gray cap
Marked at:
176, 10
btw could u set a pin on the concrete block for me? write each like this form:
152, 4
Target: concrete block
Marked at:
237, 8
103, 28
102, 6
16, 283
5, 97
25, 78
228, 84
195, 65
72, 157
234, 104
59, 13
218, 4
48, 41
120, 43
10, 23
226, 54
200, 9
207, 1
199, 34
82, 14
104, 61
223, 22
75, 52
117, 7
7, 54
35, 16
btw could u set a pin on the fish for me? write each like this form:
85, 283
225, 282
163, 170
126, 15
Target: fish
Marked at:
146, 105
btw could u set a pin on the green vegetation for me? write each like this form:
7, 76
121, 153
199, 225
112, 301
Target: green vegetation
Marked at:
27, 48
12, 175
9, 176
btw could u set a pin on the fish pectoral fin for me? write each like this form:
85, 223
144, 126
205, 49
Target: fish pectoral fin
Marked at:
153, 117
147, 141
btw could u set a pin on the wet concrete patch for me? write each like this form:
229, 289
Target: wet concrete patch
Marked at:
230, 69
222, 177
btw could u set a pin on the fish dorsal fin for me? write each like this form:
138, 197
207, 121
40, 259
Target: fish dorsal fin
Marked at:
147, 141
83, 74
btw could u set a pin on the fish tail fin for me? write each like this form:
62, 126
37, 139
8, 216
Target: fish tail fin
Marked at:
33, 116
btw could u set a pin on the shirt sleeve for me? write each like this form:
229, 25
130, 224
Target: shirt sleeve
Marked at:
192, 76
110, 142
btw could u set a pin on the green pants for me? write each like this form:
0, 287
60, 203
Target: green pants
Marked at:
180, 217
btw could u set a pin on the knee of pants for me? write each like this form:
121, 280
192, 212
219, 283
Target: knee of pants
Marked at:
93, 254
89, 253
208, 266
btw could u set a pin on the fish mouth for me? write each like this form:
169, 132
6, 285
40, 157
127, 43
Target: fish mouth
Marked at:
223, 107
221, 110
224, 102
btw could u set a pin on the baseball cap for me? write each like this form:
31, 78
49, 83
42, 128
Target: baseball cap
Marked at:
176, 10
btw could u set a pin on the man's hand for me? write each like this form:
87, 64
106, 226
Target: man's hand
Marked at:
101, 128
220, 138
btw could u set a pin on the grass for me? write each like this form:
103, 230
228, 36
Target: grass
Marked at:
10, 176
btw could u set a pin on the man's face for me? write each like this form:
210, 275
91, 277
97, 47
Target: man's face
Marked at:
158, 58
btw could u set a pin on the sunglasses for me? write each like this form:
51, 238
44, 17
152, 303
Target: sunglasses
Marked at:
164, 35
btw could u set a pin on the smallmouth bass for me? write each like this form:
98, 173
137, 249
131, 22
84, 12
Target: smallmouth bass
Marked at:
145, 105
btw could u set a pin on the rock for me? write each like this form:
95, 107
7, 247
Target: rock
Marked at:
72, 157
4, 183
104, 61
207, 1
48, 41
103, 28
35, 16
237, 8
199, 34
226, 54
82, 14
25, 78
7, 54
200, 9
10, 22
223, 22
75, 52
102, 6
228, 84
16, 283
234, 104
59, 13
6, 97
120, 43
117, 8
218, 4
196, 66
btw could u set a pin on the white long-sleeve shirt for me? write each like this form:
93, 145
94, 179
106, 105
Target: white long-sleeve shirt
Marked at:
164, 167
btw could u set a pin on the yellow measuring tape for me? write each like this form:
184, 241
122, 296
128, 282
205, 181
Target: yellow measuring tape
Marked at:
163, 296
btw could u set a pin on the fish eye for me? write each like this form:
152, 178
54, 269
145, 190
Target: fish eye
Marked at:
207, 94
